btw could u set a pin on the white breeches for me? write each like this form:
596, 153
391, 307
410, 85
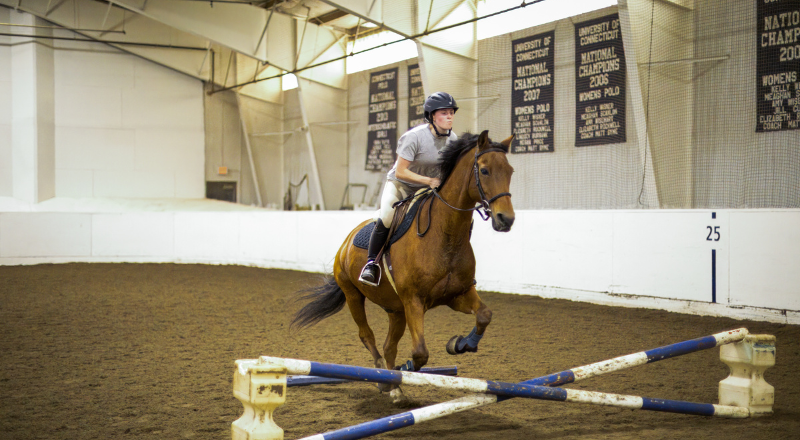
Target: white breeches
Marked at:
392, 192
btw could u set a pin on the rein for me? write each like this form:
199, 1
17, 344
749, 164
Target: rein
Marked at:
484, 209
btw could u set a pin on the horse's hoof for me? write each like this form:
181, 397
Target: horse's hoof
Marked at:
384, 387
452, 346
397, 396
408, 366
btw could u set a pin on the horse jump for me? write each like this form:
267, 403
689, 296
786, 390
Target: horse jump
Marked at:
260, 385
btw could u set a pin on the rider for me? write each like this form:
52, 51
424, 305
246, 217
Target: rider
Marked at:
416, 167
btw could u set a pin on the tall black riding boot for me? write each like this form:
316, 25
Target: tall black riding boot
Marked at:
371, 273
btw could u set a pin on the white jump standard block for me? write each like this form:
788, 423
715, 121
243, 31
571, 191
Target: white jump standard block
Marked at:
261, 387
745, 386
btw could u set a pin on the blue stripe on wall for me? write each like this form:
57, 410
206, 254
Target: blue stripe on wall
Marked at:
713, 275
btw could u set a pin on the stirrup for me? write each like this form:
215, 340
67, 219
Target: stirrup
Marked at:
370, 283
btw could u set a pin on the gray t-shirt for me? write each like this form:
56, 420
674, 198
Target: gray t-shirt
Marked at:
420, 147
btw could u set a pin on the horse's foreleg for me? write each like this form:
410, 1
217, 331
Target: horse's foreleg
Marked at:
415, 318
397, 326
469, 303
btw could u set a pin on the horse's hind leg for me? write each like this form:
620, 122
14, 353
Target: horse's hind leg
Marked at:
470, 303
355, 301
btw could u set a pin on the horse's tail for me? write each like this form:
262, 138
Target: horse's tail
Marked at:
323, 301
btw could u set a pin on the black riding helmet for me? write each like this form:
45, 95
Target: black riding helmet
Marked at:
438, 101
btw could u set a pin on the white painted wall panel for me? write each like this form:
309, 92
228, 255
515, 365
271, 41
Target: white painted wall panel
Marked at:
83, 106
5, 85
74, 183
140, 136
269, 236
559, 246
6, 189
653, 250
765, 259
324, 232
109, 69
6, 178
168, 150
133, 184
206, 236
81, 148
133, 234
190, 184
45, 235
152, 75
507, 261
177, 105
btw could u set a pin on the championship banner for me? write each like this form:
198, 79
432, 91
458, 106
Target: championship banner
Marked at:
778, 65
599, 82
382, 128
416, 97
533, 93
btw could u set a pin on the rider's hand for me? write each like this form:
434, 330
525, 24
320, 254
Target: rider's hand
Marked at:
435, 182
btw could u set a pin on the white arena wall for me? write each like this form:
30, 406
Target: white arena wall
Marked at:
633, 258
126, 127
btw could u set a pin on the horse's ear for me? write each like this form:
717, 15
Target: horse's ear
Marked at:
483, 140
507, 141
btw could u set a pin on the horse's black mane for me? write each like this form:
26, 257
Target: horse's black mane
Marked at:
449, 155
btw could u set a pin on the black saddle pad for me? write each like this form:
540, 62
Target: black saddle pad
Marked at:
361, 239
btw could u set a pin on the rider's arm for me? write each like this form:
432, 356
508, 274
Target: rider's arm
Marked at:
403, 173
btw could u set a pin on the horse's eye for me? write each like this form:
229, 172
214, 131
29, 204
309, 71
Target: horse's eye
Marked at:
484, 171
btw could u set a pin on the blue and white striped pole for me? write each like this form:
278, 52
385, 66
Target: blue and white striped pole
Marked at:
640, 358
301, 380
419, 415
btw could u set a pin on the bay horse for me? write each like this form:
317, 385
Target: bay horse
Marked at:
435, 269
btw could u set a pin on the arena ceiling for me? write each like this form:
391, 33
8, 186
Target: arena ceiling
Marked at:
244, 40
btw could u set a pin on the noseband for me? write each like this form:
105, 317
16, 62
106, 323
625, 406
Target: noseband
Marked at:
484, 210
487, 210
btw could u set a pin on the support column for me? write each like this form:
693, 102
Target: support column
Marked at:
306, 129
33, 115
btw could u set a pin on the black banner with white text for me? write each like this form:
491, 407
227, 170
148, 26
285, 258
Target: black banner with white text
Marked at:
382, 129
599, 82
778, 65
416, 97
532, 93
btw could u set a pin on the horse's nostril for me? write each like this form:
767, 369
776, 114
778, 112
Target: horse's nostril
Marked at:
505, 220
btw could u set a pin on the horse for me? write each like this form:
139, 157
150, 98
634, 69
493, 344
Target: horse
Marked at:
429, 270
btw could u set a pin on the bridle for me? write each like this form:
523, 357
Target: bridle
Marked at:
484, 209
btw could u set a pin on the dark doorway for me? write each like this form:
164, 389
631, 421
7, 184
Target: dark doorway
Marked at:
221, 191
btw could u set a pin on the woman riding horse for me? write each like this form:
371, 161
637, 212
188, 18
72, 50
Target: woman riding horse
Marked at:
430, 268
416, 168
